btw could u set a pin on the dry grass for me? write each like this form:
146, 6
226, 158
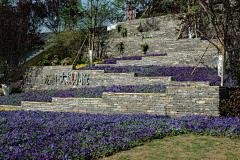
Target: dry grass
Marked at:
187, 146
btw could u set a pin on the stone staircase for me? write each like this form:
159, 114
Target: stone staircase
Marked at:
163, 32
38, 51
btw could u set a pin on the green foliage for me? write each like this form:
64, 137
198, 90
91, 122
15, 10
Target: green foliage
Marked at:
78, 61
66, 60
139, 28
118, 27
147, 37
85, 60
124, 32
231, 105
44, 62
144, 46
120, 46
236, 74
54, 61
16, 90
66, 44
68, 13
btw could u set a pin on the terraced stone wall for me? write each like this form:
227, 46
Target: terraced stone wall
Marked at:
173, 48
176, 102
59, 77
180, 59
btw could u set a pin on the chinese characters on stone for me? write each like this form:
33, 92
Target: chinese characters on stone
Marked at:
72, 79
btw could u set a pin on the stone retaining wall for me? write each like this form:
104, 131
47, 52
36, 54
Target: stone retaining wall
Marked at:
180, 59
175, 102
132, 46
37, 78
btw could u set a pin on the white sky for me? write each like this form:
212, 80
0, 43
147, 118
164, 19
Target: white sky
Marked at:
45, 29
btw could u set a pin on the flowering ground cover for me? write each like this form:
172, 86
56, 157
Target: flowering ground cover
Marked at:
178, 73
114, 60
66, 135
91, 92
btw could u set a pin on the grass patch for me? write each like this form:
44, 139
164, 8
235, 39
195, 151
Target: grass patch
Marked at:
184, 147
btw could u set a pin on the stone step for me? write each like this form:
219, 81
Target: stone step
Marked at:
167, 30
156, 46
162, 23
187, 58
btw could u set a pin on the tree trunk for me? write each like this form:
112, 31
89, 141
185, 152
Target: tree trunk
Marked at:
90, 27
95, 19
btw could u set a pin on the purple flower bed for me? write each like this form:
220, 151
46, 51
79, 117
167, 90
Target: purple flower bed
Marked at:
114, 60
93, 92
65, 135
178, 73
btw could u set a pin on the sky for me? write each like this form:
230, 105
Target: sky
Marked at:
44, 28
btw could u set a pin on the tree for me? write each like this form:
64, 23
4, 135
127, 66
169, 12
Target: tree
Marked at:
66, 44
68, 38
220, 15
120, 15
69, 13
65, 40
102, 13
4, 4
51, 21
61, 13
17, 34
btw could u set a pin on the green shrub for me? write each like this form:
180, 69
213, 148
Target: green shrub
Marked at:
78, 61
230, 106
16, 90
84, 59
124, 32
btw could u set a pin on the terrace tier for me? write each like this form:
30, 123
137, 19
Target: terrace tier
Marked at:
132, 46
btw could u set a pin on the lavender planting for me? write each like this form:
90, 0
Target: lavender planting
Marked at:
66, 135
114, 60
93, 92
178, 73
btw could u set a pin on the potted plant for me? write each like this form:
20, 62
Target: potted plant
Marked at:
66, 61
124, 32
120, 46
144, 46
139, 28
118, 27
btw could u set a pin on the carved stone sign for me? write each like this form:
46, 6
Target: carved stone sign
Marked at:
72, 79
